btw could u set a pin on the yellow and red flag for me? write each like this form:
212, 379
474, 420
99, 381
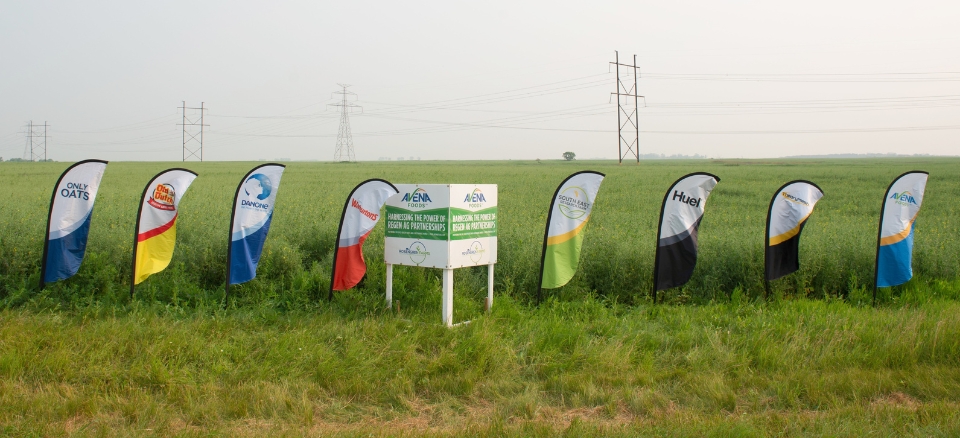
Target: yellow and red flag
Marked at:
157, 223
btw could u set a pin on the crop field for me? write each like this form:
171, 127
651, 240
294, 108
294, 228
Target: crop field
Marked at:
596, 357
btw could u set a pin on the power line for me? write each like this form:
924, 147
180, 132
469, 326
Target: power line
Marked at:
955, 98
810, 77
145, 124
816, 131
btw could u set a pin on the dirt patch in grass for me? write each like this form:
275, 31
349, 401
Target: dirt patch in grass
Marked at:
896, 399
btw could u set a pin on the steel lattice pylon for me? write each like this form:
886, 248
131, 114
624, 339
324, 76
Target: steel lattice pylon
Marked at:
625, 144
192, 134
36, 149
344, 150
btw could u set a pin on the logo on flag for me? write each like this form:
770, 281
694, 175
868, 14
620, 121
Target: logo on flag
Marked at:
904, 198
256, 188
573, 202
163, 197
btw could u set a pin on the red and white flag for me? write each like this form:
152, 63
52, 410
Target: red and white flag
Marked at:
360, 214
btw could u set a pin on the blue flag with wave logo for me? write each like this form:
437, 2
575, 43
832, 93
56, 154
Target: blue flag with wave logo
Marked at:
252, 214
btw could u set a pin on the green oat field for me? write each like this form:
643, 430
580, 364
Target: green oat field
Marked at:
596, 358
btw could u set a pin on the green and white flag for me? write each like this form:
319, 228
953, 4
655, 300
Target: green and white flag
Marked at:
568, 217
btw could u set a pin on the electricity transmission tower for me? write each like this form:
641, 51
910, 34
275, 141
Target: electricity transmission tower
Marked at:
344, 151
630, 127
192, 132
36, 149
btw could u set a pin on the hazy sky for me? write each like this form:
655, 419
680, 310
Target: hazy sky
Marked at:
480, 80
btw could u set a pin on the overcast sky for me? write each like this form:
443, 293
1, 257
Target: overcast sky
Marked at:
480, 80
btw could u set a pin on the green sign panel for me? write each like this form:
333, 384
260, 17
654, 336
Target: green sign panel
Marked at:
441, 223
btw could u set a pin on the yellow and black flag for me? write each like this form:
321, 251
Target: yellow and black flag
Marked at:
790, 207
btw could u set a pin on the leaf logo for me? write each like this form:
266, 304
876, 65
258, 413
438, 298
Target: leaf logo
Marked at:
573, 203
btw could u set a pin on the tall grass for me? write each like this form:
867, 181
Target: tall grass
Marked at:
837, 249
594, 359
589, 366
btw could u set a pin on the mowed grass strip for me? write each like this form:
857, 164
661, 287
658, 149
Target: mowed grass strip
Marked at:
584, 367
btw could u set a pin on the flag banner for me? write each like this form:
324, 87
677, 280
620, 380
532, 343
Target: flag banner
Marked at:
901, 204
680, 218
156, 229
252, 213
361, 212
790, 207
71, 209
569, 212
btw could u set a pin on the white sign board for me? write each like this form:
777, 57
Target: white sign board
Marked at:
442, 225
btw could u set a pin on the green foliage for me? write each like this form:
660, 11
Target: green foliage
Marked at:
837, 248
594, 359
569, 156
586, 367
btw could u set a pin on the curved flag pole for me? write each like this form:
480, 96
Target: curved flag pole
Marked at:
233, 217
663, 206
546, 230
336, 246
883, 207
136, 227
53, 197
766, 234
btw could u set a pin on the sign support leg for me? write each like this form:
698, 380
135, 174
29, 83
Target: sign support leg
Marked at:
389, 285
447, 301
489, 287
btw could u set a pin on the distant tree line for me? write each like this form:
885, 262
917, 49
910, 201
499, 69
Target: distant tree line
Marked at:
21, 160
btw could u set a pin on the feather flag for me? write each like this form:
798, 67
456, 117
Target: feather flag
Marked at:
680, 217
68, 223
790, 207
156, 229
252, 213
901, 205
569, 213
361, 212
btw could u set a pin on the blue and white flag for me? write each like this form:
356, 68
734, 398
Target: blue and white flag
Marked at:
71, 208
252, 213
901, 204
